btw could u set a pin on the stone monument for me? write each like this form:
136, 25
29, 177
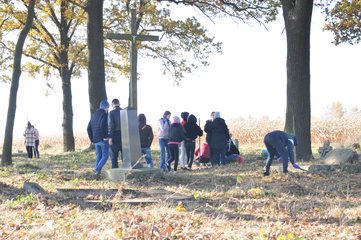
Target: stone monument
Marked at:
132, 164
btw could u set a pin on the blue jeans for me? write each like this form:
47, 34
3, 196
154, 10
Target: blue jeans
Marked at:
231, 158
163, 145
101, 155
148, 156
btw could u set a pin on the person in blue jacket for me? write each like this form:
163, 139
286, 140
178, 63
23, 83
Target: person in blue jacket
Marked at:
279, 143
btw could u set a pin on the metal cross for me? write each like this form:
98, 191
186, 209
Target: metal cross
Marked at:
133, 37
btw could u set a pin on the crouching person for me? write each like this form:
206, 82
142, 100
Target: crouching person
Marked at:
279, 143
203, 154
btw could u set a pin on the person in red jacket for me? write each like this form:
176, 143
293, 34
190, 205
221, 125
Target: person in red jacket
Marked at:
203, 154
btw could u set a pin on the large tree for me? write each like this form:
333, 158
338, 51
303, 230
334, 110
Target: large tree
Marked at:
58, 47
96, 71
297, 17
8, 138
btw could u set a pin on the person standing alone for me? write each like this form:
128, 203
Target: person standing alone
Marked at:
115, 133
29, 135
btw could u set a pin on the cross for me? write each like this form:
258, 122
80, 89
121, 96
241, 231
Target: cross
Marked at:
133, 37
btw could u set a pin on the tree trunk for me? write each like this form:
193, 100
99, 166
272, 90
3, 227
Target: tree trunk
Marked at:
297, 15
65, 73
96, 72
68, 135
8, 138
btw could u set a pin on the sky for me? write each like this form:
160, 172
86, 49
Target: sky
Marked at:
247, 79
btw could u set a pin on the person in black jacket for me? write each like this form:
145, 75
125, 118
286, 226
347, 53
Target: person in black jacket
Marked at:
192, 132
146, 138
115, 133
207, 130
98, 134
176, 136
219, 136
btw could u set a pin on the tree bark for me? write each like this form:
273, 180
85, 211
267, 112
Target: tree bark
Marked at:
65, 73
8, 138
96, 72
297, 16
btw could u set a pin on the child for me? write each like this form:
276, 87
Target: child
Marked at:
176, 136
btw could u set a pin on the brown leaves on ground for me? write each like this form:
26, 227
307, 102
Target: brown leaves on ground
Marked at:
227, 202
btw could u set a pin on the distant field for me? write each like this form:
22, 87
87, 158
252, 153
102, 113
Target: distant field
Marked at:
250, 133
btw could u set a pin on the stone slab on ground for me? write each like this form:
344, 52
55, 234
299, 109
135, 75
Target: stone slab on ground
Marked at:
86, 192
34, 188
341, 156
325, 168
121, 174
152, 196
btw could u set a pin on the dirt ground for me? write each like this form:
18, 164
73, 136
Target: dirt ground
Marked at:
227, 202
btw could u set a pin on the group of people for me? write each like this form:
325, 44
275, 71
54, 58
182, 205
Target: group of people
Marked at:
178, 135
104, 131
31, 135
218, 148
177, 140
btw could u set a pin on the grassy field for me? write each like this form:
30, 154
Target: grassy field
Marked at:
228, 202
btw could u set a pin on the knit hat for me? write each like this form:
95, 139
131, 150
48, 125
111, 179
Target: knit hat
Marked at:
176, 119
104, 104
166, 113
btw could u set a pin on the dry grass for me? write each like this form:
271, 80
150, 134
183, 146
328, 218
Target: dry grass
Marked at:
229, 202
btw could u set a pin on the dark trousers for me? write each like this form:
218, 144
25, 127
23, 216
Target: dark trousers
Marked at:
218, 156
115, 148
36, 149
190, 146
275, 147
29, 150
174, 156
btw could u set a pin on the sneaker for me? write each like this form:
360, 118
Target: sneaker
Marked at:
98, 176
266, 174
175, 172
168, 166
